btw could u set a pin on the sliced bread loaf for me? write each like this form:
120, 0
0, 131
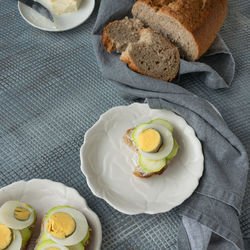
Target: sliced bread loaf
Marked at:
191, 25
118, 34
153, 56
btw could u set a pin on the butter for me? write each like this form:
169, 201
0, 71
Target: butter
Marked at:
60, 225
149, 140
60, 7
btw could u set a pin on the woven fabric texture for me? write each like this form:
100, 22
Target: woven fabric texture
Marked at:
51, 92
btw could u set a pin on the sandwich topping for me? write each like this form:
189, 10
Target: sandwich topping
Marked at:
60, 225
22, 213
64, 226
149, 140
155, 143
5, 236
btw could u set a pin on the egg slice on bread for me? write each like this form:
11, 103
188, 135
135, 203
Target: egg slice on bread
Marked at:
155, 146
17, 221
64, 227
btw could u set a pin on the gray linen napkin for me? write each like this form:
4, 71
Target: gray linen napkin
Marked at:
215, 68
210, 215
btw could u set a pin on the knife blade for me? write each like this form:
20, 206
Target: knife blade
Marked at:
39, 8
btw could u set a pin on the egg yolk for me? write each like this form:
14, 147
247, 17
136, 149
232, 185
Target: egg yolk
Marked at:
60, 225
22, 213
52, 248
149, 140
5, 236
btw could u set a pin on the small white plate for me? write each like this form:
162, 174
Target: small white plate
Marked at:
108, 164
42, 195
61, 23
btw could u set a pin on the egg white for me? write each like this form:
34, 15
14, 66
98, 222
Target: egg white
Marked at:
167, 141
80, 230
7, 215
16, 243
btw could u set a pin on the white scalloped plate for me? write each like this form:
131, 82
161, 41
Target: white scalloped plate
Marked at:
61, 23
45, 194
107, 163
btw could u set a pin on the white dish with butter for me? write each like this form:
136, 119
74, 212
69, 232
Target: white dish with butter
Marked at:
77, 12
108, 163
43, 195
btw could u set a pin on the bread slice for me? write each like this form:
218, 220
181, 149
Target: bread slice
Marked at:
153, 56
192, 25
139, 171
118, 34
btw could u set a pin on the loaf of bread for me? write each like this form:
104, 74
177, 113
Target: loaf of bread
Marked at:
191, 25
153, 56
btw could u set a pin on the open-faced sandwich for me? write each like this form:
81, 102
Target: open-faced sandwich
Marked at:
154, 145
17, 221
64, 228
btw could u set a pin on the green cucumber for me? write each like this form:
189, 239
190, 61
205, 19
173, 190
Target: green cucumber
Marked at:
151, 166
164, 123
26, 234
79, 246
174, 151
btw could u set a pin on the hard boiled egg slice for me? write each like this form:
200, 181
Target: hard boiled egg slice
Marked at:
80, 227
50, 244
166, 139
10, 239
16, 215
16, 243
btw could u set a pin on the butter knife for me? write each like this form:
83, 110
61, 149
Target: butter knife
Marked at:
39, 8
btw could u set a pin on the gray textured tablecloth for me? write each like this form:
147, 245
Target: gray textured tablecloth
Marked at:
51, 92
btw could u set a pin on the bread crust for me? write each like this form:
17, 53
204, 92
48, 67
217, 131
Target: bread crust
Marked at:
127, 140
107, 42
202, 19
126, 58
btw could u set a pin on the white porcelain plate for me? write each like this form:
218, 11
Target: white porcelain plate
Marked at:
42, 195
108, 164
61, 23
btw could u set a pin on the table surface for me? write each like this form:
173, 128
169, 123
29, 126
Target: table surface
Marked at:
51, 92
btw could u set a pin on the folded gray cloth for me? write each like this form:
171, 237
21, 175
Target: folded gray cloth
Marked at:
215, 68
210, 215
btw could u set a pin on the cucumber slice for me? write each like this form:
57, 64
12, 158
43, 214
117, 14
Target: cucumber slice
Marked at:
164, 123
151, 165
26, 234
174, 151
79, 246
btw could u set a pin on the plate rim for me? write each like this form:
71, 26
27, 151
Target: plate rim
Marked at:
95, 217
55, 30
151, 212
